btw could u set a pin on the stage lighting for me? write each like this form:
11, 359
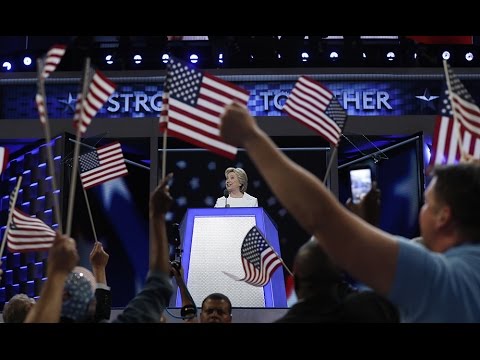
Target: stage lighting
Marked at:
220, 58
7, 66
109, 59
390, 56
334, 56
469, 56
446, 55
27, 61
305, 56
194, 58
165, 58
137, 59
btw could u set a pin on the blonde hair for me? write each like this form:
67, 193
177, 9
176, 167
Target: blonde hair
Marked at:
241, 175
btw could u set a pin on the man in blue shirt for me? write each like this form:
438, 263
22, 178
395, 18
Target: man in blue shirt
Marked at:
438, 282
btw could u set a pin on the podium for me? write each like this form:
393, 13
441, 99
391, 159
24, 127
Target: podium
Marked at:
212, 240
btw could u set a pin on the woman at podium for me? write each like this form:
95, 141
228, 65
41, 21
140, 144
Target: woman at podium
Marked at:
235, 194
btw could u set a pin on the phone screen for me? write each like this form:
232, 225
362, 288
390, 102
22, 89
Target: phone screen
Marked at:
361, 182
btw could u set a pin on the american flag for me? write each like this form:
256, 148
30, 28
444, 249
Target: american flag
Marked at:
27, 233
445, 147
193, 102
313, 105
464, 108
53, 58
99, 91
4, 153
101, 165
259, 260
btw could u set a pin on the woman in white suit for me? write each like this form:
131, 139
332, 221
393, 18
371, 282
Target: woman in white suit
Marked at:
236, 184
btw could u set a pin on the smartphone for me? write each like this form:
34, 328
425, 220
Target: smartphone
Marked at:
361, 183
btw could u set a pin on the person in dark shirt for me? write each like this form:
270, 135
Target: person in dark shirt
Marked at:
325, 296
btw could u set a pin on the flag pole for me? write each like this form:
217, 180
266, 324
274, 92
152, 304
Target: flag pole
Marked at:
333, 156
278, 256
283, 263
455, 116
76, 151
90, 214
164, 151
10, 215
164, 119
46, 128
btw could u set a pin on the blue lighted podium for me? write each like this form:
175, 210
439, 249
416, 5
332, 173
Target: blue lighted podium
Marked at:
212, 240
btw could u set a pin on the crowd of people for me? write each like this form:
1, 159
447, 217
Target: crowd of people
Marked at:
434, 278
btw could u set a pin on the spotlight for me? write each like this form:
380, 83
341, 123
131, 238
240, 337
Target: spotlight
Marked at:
390, 56
27, 61
165, 58
469, 56
137, 59
109, 59
194, 58
305, 56
334, 56
7, 65
446, 55
220, 58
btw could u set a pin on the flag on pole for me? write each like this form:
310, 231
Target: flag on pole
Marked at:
464, 108
193, 102
4, 153
98, 93
101, 165
259, 260
53, 58
27, 233
445, 147
315, 106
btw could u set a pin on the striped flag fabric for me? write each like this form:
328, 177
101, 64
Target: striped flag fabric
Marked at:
259, 260
193, 103
315, 106
445, 147
99, 91
101, 165
53, 58
4, 154
27, 233
463, 105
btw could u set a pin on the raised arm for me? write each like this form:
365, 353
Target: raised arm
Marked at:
187, 300
366, 252
99, 260
160, 202
62, 258
149, 303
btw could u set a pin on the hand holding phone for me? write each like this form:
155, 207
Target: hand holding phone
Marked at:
361, 183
